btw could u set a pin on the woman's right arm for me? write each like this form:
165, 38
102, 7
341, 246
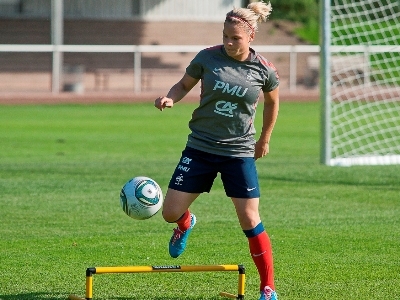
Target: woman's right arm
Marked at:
177, 92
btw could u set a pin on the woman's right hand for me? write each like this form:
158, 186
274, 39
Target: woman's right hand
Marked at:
163, 102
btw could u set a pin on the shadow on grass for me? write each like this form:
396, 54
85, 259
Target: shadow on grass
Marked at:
35, 296
331, 179
64, 296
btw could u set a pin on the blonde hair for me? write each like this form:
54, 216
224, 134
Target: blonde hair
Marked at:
256, 12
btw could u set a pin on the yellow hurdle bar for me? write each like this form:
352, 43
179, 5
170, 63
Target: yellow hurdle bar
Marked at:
171, 268
167, 268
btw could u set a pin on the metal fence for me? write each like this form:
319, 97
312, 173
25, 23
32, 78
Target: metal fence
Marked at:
139, 50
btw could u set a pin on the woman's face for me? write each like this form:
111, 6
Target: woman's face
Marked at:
236, 41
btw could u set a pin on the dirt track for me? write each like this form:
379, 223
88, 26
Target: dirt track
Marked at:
122, 97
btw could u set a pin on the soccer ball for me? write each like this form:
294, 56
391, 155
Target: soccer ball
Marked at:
141, 198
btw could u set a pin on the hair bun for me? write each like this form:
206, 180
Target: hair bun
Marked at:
261, 9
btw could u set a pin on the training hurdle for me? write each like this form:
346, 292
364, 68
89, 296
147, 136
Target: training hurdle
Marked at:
173, 268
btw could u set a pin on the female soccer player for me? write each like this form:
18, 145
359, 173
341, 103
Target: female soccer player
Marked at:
222, 138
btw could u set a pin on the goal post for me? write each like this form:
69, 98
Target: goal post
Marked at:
360, 82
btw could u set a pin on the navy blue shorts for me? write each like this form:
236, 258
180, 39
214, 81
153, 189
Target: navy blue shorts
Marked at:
196, 171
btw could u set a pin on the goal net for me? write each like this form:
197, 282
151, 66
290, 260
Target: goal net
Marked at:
360, 82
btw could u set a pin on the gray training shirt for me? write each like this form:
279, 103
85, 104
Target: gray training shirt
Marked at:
223, 123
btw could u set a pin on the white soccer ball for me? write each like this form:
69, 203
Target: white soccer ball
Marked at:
141, 198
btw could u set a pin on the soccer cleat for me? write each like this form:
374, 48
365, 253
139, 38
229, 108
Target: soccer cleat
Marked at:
268, 294
177, 244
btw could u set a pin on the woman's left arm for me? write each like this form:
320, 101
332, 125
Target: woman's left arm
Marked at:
270, 114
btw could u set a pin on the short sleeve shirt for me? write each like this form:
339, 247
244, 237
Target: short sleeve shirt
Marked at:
223, 123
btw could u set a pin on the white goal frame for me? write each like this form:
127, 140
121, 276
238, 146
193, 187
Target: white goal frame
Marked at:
351, 137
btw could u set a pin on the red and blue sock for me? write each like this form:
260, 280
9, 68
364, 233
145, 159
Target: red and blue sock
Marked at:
261, 253
184, 221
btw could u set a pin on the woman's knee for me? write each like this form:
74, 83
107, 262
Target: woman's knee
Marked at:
176, 203
171, 216
247, 212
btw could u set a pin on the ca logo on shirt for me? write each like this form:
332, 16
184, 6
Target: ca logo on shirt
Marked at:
225, 108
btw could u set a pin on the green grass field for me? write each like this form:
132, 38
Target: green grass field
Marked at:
335, 230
